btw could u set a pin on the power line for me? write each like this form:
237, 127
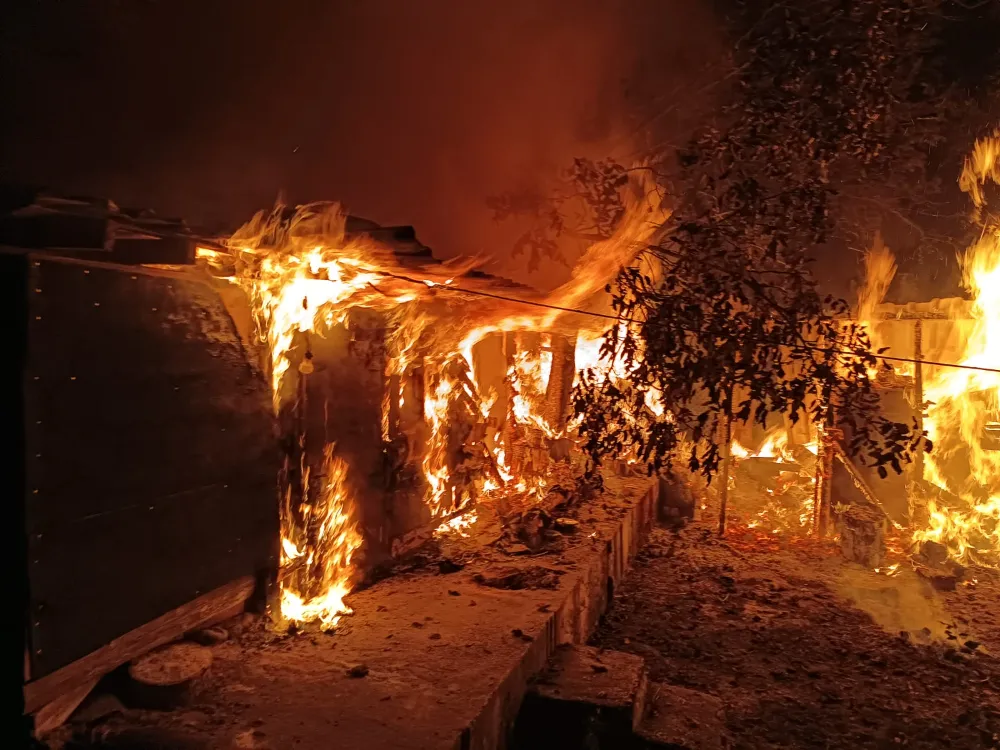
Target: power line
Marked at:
606, 316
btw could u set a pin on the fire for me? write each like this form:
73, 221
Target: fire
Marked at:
458, 524
305, 277
529, 375
775, 446
789, 501
964, 414
880, 270
320, 563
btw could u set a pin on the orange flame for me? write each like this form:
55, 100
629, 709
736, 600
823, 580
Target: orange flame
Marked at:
304, 276
776, 446
965, 404
327, 570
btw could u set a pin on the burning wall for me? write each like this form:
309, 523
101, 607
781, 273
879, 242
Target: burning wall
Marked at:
410, 390
407, 390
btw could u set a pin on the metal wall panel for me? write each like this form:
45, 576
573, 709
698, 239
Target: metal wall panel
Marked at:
151, 452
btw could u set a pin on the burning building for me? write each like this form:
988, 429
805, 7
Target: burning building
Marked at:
407, 391
407, 395
386, 396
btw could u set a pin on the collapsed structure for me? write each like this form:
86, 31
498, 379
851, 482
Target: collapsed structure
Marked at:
944, 375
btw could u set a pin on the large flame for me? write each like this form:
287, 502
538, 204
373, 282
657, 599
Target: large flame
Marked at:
963, 418
304, 276
880, 270
321, 567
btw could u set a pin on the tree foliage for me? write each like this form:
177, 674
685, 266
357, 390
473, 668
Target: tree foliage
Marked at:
724, 318
588, 207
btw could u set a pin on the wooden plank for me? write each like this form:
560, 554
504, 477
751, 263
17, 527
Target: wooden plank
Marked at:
53, 715
201, 612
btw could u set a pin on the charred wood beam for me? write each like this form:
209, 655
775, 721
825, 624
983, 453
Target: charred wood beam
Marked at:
859, 482
560, 385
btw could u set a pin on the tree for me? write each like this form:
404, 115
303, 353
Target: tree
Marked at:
723, 318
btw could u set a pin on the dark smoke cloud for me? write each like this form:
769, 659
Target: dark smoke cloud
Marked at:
408, 111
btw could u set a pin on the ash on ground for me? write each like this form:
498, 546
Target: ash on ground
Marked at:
807, 650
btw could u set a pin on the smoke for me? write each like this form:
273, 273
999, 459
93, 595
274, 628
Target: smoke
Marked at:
407, 112
904, 603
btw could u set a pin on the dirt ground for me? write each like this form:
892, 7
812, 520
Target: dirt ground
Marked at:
808, 651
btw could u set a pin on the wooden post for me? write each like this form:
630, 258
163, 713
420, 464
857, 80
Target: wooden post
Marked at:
726, 456
823, 488
821, 451
918, 387
560, 386
832, 434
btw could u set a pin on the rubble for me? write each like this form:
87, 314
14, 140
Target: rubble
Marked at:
932, 562
514, 579
677, 501
567, 525
358, 670
862, 535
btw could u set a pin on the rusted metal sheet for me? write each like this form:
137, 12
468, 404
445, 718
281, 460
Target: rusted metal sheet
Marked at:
151, 452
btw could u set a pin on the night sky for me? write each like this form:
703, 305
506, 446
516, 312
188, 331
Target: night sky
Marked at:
408, 112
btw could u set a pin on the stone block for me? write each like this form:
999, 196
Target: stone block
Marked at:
585, 696
682, 719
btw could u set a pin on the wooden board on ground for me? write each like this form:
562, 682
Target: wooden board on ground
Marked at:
54, 714
216, 606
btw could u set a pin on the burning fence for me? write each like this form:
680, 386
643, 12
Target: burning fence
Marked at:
407, 390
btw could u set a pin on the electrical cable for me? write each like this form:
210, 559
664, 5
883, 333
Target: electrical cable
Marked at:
607, 316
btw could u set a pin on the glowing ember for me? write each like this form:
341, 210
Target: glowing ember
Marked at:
458, 524
789, 501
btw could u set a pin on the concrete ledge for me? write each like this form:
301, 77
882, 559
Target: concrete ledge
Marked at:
447, 660
585, 599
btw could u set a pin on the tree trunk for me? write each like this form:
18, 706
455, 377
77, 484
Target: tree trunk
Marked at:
726, 460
